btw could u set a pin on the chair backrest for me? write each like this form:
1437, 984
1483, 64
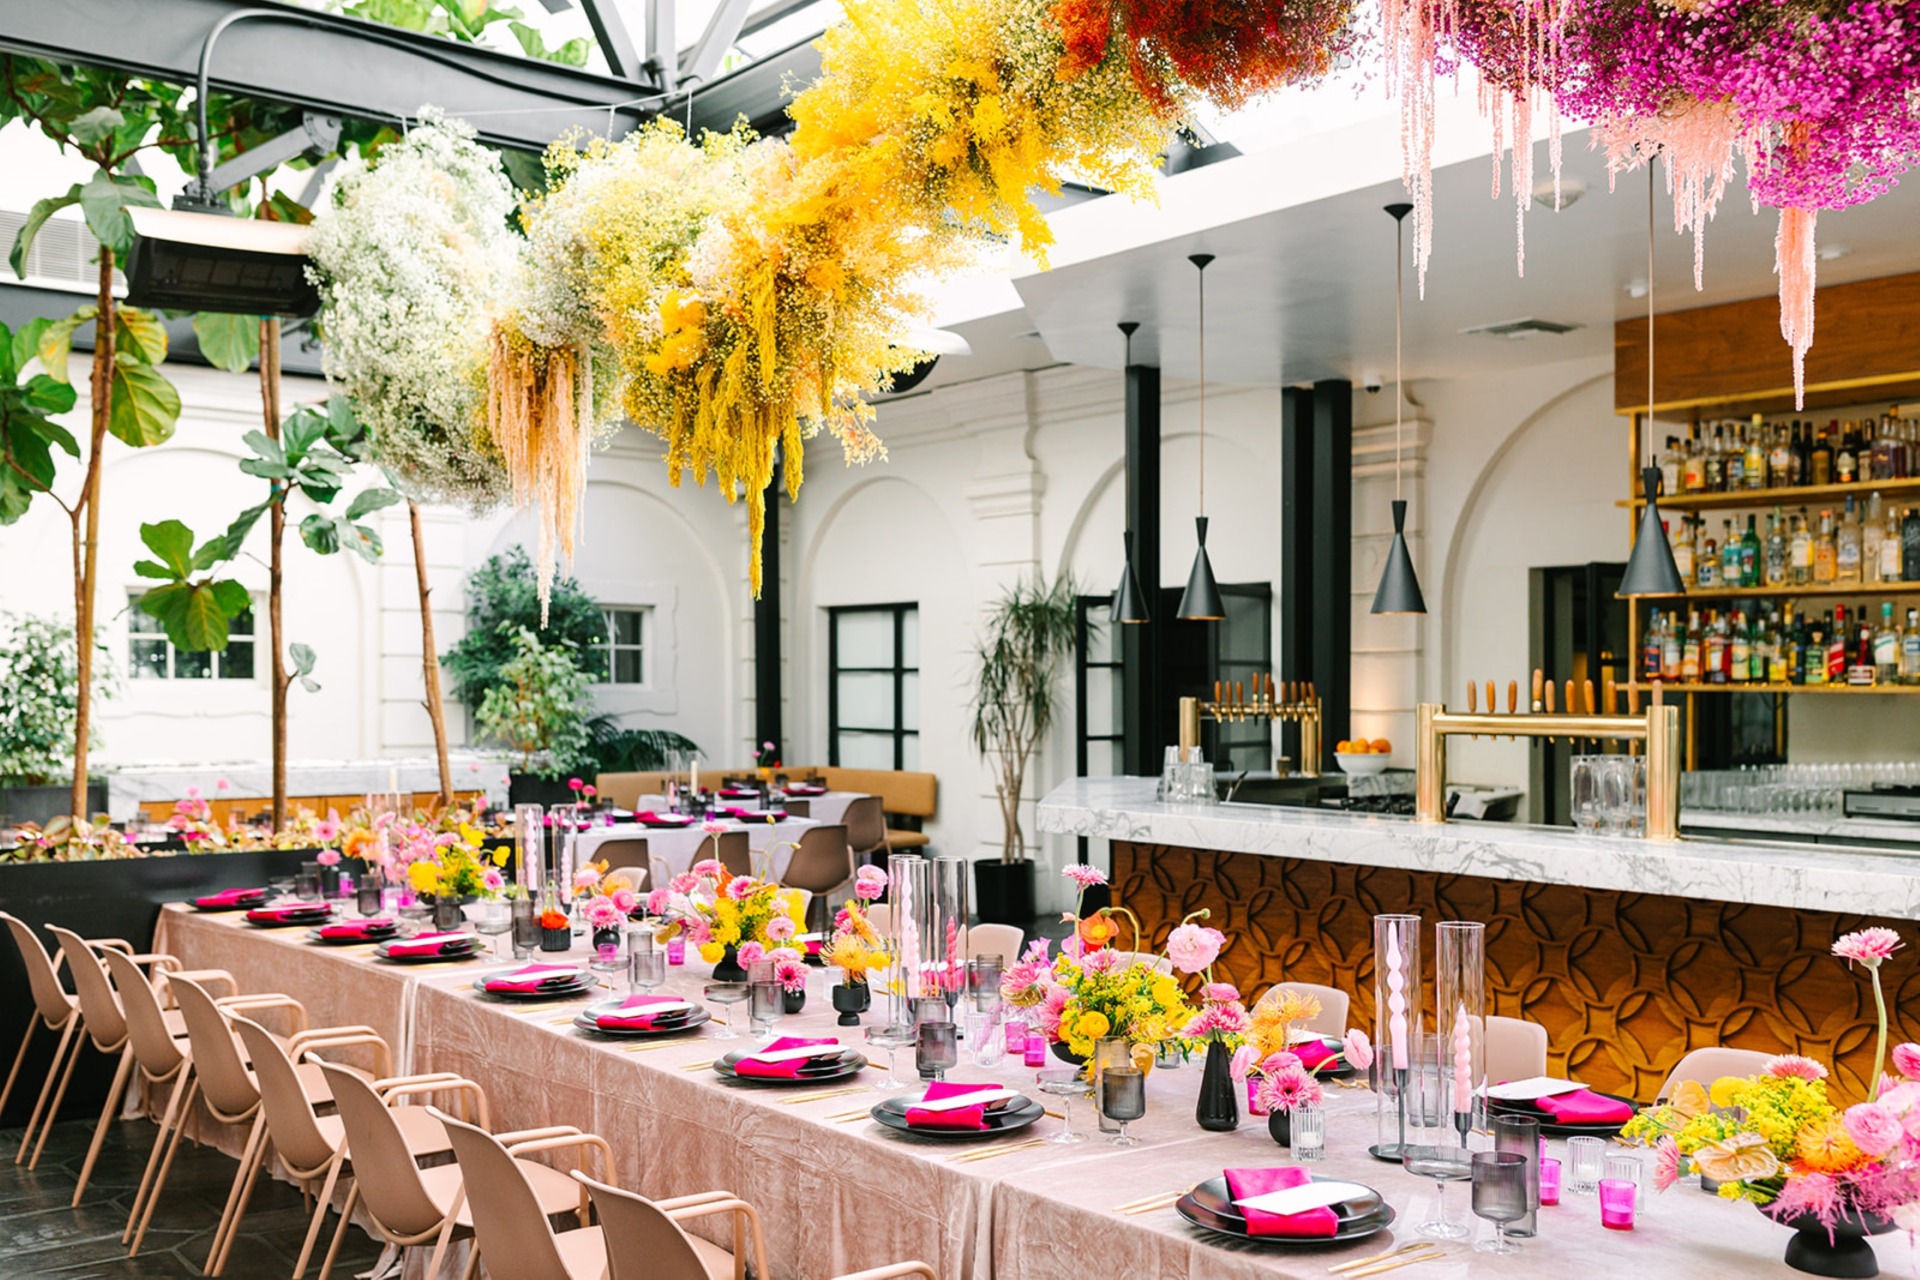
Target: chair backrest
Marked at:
822, 861
735, 854
290, 1119
1003, 940
625, 788
866, 823
628, 855
389, 1179
1516, 1049
797, 808
643, 1243
99, 1006
1704, 1066
49, 997
900, 790
1159, 964
880, 916
152, 1040
1333, 1007
224, 1080
514, 1236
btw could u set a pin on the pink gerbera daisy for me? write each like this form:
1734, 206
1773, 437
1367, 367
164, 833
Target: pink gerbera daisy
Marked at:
1867, 946
1794, 1066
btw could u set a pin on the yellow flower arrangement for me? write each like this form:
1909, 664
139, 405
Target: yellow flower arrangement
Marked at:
1276, 1014
459, 868
856, 948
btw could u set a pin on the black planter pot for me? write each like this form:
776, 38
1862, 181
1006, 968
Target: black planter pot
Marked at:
728, 968
1280, 1127
606, 938
528, 788
1059, 1050
40, 805
560, 939
793, 1001
1218, 1107
1843, 1252
1003, 892
850, 1000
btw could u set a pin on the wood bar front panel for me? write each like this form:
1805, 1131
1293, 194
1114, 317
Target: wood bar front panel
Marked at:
1625, 983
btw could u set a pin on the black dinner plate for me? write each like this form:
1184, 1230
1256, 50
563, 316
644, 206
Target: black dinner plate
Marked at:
1210, 1206
379, 933
668, 1024
467, 952
1016, 1115
817, 1070
1552, 1127
582, 980
314, 916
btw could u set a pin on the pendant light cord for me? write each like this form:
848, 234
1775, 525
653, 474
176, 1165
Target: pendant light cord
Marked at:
1126, 375
1399, 301
1203, 389
1651, 161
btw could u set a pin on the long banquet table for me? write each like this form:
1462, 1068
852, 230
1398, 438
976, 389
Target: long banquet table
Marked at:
836, 1197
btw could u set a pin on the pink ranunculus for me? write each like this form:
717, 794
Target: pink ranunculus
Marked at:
780, 928
574, 784
586, 877
657, 901
328, 857
1278, 1061
1873, 1128
1193, 947
1357, 1049
193, 793
1906, 1060
684, 883
751, 953
625, 900
710, 868
221, 784
1220, 993
1867, 946
870, 883
494, 881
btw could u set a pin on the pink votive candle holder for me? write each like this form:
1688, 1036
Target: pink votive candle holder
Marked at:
676, 950
1036, 1051
1549, 1180
1014, 1033
1616, 1203
1253, 1097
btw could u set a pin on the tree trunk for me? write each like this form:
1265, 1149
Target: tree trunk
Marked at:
1013, 848
276, 530
430, 658
86, 532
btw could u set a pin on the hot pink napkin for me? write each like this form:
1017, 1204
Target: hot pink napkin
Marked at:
802, 789
787, 1070
368, 928
649, 818
1584, 1106
735, 793
1246, 1183
957, 1118
632, 1015
1313, 1052
231, 898
757, 815
533, 977
292, 911
431, 944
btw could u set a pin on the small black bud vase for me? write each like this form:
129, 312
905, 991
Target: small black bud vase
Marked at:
728, 967
1280, 1127
851, 1000
792, 1002
1218, 1108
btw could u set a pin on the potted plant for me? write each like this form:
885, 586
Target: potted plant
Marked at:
37, 711
1028, 635
537, 712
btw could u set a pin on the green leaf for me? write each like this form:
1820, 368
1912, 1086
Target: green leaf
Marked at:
56, 342
233, 598
105, 200
26, 343
145, 405
91, 127
303, 428
47, 396
37, 218
572, 54
52, 432
369, 501
281, 207
265, 470
309, 684
302, 656
265, 445
228, 342
153, 569
140, 334
321, 534
365, 542
228, 544
172, 541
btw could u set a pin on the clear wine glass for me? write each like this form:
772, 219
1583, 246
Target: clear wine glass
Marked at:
645, 971
727, 994
492, 920
1066, 1084
1499, 1195
893, 1039
1443, 1163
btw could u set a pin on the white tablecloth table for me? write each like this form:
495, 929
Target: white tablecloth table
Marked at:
678, 848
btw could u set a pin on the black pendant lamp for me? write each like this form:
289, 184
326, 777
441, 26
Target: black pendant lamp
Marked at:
1200, 602
1129, 602
1650, 569
1399, 590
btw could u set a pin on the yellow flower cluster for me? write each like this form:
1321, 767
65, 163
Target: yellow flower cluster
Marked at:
734, 921
1275, 1015
458, 869
1137, 1002
856, 948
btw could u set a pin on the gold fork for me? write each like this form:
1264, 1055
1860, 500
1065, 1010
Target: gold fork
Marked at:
697, 1066
1350, 1264
995, 1152
1407, 1260
820, 1095
1149, 1204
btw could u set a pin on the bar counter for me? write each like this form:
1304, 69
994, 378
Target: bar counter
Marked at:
1630, 952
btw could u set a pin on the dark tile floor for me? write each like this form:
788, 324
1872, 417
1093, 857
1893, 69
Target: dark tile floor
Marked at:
41, 1236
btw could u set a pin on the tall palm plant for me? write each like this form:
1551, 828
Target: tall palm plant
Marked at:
1028, 634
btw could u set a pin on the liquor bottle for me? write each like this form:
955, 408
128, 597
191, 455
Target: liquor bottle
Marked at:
1670, 642
1873, 537
1910, 546
1814, 658
1716, 462
1824, 550
1690, 648
1860, 668
1846, 546
1888, 456
1739, 649
1886, 647
1780, 460
1910, 649
1837, 646
1778, 653
1736, 459
1776, 553
1670, 465
1713, 651
1683, 548
1890, 545
1754, 474
1822, 457
1800, 551
1846, 458
1706, 562
1802, 455
1693, 465
1731, 573
1652, 645
1752, 559
1795, 646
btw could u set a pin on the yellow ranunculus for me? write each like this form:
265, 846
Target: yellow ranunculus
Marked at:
424, 877
1092, 1025
1724, 1089
711, 952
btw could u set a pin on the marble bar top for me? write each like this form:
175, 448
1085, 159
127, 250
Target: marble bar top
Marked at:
1799, 876
1891, 832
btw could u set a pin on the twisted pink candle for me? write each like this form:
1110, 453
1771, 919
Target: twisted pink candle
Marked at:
1396, 999
1462, 1062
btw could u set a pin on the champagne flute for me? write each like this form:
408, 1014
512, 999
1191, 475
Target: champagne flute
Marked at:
727, 994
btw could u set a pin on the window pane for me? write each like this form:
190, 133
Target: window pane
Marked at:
866, 750
866, 701
1117, 764
192, 666
242, 625
1103, 703
910, 700
910, 751
625, 625
910, 637
237, 662
626, 666
148, 659
866, 638
1099, 635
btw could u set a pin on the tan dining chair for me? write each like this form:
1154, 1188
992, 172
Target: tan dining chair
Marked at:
1334, 1005
511, 1217
54, 1008
1704, 1066
880, 916
734, 852
644, 1239
893, 1271
797, 807
822, 863
866, 822
628, 854
1516, 1049
1003, 940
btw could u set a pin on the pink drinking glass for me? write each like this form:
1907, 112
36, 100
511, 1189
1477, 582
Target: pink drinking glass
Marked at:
1616, 1203
1549, 1180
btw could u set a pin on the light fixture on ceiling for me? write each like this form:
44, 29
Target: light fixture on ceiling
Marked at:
1650, 569
1200, 602
1129, 602
1399, 590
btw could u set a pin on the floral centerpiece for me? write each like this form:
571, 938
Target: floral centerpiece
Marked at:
720, 912
64, 840
856, 948
606, 900
453, 866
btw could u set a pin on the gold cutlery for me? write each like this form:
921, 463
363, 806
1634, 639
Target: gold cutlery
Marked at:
846, 1117
994, 1152
1159, 1200
649, 1048
1408, 1259
1414, 1246
697, 1066
821, 1095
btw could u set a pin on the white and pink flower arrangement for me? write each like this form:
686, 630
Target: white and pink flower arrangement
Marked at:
715, 909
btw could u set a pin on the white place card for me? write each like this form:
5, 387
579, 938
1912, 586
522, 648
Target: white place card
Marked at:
957, 1101
1529, 1090
1314, 1195
794, 1055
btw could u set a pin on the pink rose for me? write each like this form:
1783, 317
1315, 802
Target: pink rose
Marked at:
1193, 947
657, 902
625, 900
1357, 1050
1220, 992
328, 858
684, 883
1873, 1128
780, 928
751, 953
1906, 1060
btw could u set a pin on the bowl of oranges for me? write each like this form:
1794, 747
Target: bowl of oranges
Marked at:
1362, 757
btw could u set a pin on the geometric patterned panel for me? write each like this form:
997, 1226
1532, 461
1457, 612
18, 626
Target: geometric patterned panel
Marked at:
1624, 983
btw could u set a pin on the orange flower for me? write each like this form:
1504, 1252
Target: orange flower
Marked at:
553, 919
1826, 1148
1098, 930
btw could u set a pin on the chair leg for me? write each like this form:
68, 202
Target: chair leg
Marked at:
26, 1039
59, 1096
473, 1263
167, 1122
446, 1234
320, 1212
340, 1232
46, 1087
114, 1094
254, 1138
246, 1198
166, 1166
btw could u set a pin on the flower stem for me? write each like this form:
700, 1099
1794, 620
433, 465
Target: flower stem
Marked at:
1880, 1045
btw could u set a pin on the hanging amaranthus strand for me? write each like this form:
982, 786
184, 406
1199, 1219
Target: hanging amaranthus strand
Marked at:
532, 398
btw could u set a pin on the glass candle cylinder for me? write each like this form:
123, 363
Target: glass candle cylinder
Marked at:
1584, 1156
677, 949
530, 842
563, 822
1396, 1025
1459, 1019
1109, 1053
1036, 1051
1309, 1125
526, 927
948, 926
911, 938
1520, 1135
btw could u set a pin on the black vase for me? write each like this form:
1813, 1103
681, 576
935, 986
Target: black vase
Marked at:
1059, 1050
728, 968
606, 938
1218, 1108
851, 1000
1842, 1252
793, 1001
560, 939
1280, 1127
446, 913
